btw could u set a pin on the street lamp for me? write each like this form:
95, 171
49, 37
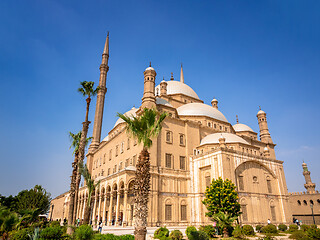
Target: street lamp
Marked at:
311, 205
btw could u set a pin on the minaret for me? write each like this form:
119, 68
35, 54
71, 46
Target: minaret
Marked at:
163, 87
310, 186
96, 135
181, 75
149, 99
263, 125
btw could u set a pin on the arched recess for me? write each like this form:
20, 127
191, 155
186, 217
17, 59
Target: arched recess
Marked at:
273, 210
255, 177
244, 209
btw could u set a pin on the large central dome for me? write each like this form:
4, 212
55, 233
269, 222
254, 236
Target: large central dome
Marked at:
200, 109
176, 87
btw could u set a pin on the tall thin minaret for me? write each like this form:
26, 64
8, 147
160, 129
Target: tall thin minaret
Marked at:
310, 186
96, 135
263, 125
181, 75
149, 99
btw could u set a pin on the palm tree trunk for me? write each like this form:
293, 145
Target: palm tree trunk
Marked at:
141, 189
72, 193
78, 179
88, 209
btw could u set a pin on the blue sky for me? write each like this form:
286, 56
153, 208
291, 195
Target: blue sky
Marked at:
244, 53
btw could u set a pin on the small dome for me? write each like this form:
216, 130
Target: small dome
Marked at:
149, 68
200, 109
130, 113
214, 100
162, 101
260, 112
239, 127
175, 87
229, 138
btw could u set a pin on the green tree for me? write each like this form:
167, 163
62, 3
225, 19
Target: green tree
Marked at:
91, 187
224, 220
87, 91
221, 196
8, 202
36, 198
8, 221
143, 128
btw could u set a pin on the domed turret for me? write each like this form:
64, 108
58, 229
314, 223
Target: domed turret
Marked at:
148, 99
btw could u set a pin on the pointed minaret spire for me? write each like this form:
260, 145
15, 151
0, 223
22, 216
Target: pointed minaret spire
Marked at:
237, 118
181, 75
97, 126
310, 186
106, 46
150, 64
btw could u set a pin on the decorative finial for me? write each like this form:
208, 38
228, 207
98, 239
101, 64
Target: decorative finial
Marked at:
150, 64
172, 77
259, 107
108, 34
163, 79
237, 118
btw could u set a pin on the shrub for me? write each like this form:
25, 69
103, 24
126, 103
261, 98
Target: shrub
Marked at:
126, 237
84, 232
270, 228
209, 229
190, 229
176, 235
258, 228
293, 228
304, 227
298, 235
52, 233
248, 230
193, 235
282, 227
161, 232
313, 233
22, 234
55, 224
238, 233
313, 226
267, 237
203, 235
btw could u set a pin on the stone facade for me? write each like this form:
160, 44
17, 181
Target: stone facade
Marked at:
196, 144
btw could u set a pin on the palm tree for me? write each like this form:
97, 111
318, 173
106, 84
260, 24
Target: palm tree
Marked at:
88, 91
143, 127
75, 142
224, 221
91, 186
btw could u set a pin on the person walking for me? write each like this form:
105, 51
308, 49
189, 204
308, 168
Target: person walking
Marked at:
269, 222
100, 226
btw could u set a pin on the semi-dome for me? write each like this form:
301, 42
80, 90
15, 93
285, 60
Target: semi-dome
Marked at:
163, 102
130, 113
176, 87
239, 127
149, 68
200, 109
229, 138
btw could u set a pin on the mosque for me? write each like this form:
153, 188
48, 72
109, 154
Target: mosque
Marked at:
197, 144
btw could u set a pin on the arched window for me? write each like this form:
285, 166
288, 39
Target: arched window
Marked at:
128, 143
273, 212
207, 179
241, 184
183, 211
305, 202
269, 185
182, 139
311, 202
299, 202
168, 137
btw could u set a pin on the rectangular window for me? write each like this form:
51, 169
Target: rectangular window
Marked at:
241, 186
168, 137
183, 212
244, 212
134, 160
122, 147
182, 163
273, 214
108, 171
110, 154
127, 162
168, 212
208, 181
117, 150
182, 140
104, 158
269, 186
168, 160
134, 142
120, 166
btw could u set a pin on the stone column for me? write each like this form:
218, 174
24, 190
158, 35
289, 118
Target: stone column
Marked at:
99, 207
104, 208
94, 210
125, 208
110, 209
118, 207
